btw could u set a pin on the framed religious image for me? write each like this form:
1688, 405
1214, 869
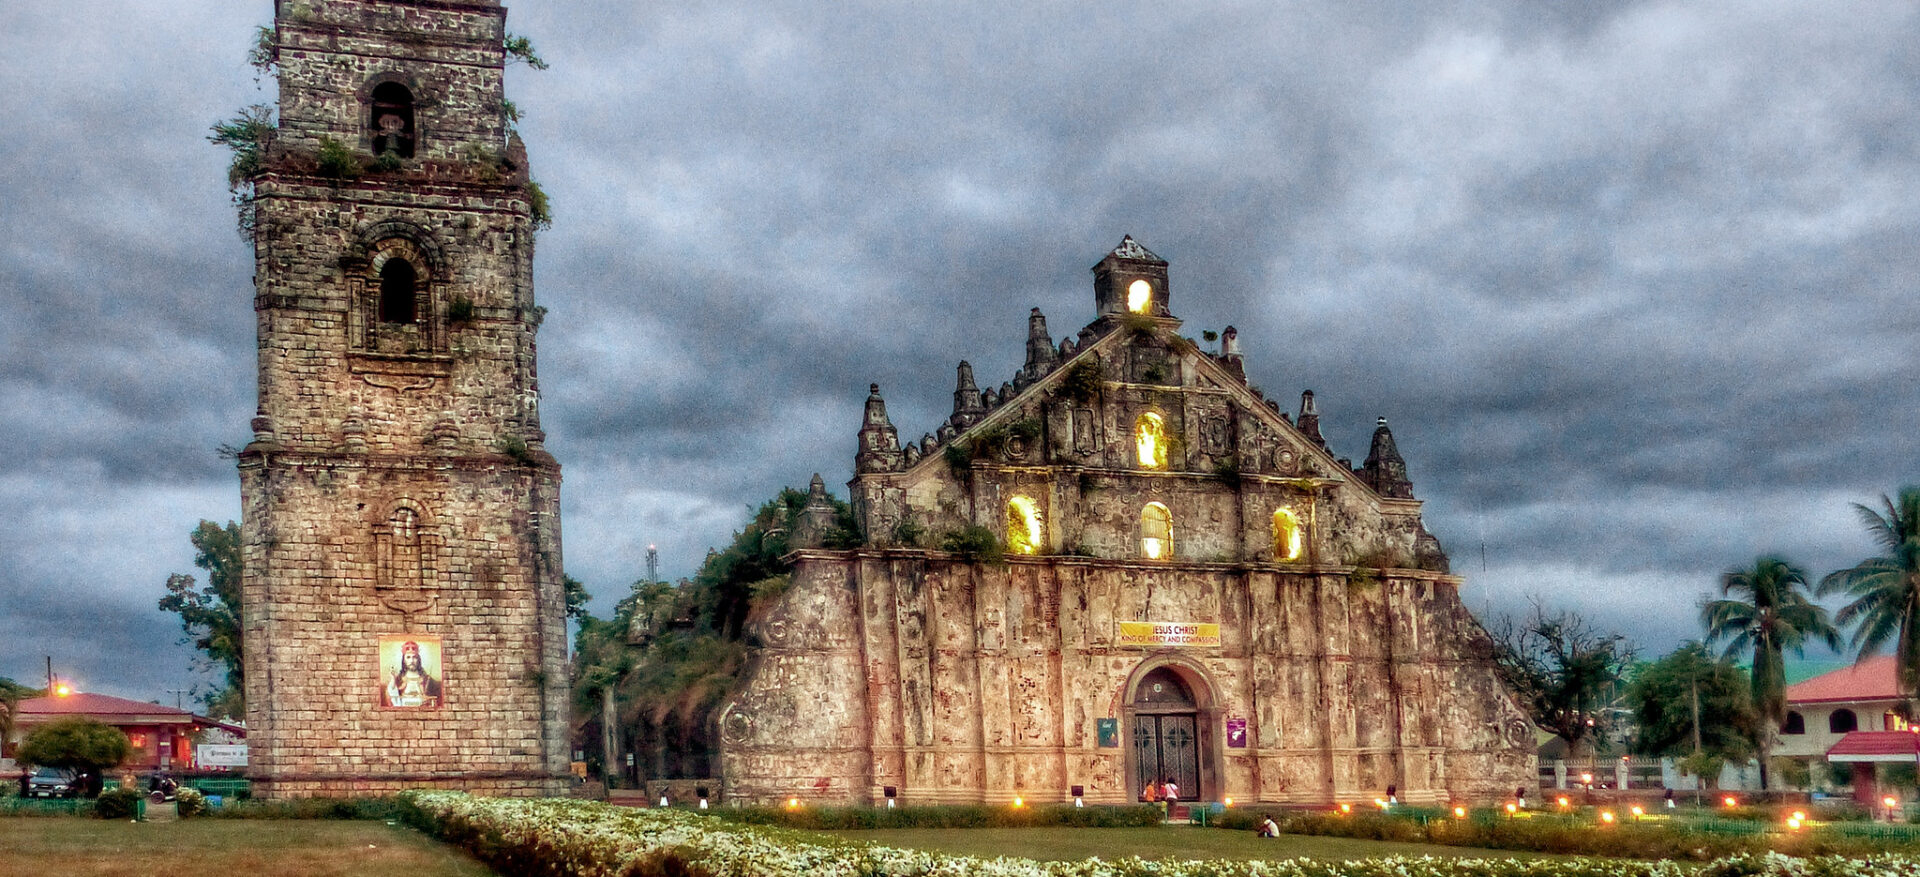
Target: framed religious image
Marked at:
1108, 731
411, 673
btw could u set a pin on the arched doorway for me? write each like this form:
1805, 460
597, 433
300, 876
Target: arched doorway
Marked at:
1167, 729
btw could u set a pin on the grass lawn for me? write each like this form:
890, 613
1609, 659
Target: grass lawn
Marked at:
1160, 842
282, 848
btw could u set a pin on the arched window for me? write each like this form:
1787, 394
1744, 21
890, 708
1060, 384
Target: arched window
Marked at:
1286, 535
1139, 296
1156, 532
1795, 724
1843, 722
1150, 441
1025, 532
397, 285
391, 122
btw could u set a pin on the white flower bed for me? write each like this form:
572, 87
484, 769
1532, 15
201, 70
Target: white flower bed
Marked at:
587, 839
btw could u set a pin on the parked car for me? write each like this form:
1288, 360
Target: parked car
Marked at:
55, 782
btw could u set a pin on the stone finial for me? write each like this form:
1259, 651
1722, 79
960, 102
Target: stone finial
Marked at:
444, 434
262, 427
879, 441
1427, 553
1384, 469
967, 407
816, 519
1309, 422
353, 431
1041, 355
1230, 353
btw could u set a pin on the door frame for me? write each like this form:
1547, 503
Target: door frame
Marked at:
1207, 726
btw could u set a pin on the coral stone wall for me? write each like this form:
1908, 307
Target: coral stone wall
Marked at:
964, 682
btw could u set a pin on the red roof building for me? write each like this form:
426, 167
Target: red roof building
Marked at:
162, 736
1850, 716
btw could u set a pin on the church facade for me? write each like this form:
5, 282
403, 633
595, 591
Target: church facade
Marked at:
1123, 566
402, 600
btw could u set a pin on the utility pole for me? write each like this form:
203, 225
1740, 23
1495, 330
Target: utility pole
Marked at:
653, 564
49, 675
1698, 781
177, 692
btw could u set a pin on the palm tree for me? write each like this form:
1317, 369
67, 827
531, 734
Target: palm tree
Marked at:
1767, 610
1886, 589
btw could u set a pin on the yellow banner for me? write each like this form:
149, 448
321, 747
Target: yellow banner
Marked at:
1168, 633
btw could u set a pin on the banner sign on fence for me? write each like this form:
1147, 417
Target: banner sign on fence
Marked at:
220, 756
1168, 633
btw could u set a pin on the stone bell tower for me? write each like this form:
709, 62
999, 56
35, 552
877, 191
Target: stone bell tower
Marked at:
403, 609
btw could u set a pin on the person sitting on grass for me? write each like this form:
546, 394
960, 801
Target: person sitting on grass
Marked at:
1268, 828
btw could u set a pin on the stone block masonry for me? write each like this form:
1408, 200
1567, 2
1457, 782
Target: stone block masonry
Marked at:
402, 603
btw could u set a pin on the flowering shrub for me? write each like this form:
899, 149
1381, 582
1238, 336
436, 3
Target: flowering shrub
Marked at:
1696, 840
567, 838
962, 816
189, 803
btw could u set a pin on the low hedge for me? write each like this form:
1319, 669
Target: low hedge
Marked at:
962, 816
310, 808
567, 838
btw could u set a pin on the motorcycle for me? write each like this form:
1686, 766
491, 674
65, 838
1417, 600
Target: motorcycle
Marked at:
163, 789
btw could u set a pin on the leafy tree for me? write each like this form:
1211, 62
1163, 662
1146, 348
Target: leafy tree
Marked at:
82, 744
672, 652
11, 694
210, 615
1886, 589
1766, 612
1565, 672
577, 597
1662, 696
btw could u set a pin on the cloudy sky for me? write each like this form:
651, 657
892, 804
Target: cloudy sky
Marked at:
1635, 283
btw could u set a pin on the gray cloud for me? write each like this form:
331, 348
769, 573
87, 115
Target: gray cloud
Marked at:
1633, 282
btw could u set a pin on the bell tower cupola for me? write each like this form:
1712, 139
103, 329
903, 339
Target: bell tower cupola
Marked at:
1130, 280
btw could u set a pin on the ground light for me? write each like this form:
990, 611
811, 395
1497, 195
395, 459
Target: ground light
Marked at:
1228, 802
1459, 812
1511, 809
1606, 816
1018, 802
1730, 801
793, 803
1564, 803
1381, 803
1346, 808
1637, 812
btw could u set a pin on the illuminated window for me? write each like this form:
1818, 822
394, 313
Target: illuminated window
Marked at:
1150, 437
1894, 721
1156, 532
1139, 296
1286, 535
1024, 531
